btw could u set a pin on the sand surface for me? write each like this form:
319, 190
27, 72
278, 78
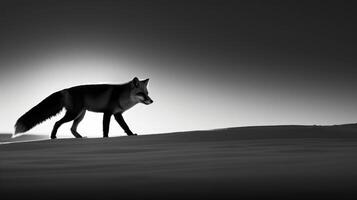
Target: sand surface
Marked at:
7, 138
287, 162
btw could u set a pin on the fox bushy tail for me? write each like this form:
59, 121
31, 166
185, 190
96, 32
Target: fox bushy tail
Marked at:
47, 108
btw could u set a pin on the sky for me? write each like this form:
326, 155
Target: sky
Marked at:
211, 64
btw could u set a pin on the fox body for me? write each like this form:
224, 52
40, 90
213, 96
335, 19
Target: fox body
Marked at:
107, 99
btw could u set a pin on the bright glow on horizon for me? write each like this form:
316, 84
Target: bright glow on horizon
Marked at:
180, 102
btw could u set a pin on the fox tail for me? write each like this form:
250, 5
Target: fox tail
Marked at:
46, 109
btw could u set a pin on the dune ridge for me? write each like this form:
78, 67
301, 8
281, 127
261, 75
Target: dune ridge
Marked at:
287, 162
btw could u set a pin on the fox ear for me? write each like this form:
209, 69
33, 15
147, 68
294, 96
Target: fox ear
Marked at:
136, 82
146, 81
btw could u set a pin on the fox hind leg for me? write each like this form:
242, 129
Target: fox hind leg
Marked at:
69, 116
76, 121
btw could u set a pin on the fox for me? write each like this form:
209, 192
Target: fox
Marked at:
108, 99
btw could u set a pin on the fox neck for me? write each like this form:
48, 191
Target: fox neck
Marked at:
126, 103
125, 100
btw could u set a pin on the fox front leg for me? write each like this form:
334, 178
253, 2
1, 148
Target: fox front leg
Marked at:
106, 122
119, 118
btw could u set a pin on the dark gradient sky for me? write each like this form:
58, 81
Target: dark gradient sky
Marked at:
211, 63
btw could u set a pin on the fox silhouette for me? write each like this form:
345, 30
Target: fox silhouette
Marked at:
104, 98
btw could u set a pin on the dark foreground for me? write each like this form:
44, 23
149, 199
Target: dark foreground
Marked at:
285, 162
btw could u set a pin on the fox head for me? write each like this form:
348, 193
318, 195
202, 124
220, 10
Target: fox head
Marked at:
139, 91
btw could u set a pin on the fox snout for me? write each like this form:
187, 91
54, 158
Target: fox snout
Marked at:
144, 98
148, 100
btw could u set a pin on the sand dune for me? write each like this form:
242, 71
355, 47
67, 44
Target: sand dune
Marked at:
7, 138
287, 162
